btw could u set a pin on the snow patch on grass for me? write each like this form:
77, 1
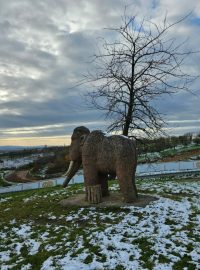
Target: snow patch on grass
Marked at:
162, 235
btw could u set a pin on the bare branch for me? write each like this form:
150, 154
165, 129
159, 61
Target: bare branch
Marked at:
133, 70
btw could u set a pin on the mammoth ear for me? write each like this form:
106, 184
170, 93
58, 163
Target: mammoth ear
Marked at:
82, 139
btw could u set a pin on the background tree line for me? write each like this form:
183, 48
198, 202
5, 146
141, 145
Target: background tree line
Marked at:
162, 143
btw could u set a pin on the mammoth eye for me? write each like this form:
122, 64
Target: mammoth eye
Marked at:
82, 138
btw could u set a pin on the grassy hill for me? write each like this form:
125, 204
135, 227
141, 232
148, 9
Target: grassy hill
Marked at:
38, 233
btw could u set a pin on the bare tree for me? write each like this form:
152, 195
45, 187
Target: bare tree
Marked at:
143, 64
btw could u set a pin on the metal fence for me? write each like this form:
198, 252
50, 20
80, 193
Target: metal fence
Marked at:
142, 170
162, 167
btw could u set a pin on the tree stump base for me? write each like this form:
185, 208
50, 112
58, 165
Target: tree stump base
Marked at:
94, 194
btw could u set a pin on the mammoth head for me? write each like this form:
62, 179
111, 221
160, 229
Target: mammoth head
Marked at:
77, 140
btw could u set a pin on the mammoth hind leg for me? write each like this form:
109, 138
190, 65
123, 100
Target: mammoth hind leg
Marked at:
134, 185
103, 181
127, 186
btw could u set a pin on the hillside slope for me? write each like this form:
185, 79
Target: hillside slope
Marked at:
38, 233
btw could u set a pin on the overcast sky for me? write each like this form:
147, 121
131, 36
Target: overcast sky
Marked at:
45, 48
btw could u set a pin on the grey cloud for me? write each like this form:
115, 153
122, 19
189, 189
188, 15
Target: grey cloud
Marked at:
66, 110
184, 105
45, 49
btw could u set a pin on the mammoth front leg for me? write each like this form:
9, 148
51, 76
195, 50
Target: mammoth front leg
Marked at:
103, 181
92, 185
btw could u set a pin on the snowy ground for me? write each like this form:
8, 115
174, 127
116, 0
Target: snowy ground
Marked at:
17, 162
20, 161
37, 233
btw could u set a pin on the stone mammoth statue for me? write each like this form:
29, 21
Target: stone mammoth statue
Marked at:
102, 155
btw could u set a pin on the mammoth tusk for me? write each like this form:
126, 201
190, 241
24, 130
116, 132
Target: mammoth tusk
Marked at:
69, 169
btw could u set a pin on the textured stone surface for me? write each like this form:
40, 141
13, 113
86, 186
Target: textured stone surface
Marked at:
114, 200
102, 156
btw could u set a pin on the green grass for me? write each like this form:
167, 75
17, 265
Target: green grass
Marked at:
172, 152
147, 251
75, 230
2, 183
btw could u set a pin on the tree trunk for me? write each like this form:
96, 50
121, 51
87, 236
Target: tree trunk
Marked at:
94, 194
129, 116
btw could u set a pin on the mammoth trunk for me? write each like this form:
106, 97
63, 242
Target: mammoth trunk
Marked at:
73, 168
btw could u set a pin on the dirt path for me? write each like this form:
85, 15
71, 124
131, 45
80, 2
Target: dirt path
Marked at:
19, 177
23, 175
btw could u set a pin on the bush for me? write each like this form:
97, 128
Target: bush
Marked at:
196, 140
